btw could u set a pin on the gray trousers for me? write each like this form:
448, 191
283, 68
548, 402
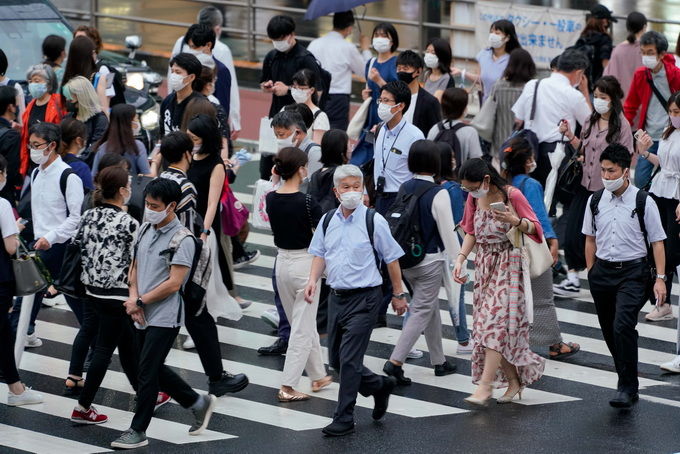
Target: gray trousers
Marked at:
426, 281
545, 330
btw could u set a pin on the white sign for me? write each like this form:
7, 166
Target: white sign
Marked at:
544, 32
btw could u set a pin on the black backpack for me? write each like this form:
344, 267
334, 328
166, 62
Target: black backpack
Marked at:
370, 229
326, 78
449, 136
403, 217
321, 189
584, 46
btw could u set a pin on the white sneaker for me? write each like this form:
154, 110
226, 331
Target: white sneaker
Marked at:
245, 304
414, 354
271, 317
464, 349
672, 366
188, 343
659, 314
32, 341
28, 397
567, 288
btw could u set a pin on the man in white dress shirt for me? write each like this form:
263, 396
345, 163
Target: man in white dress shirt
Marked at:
340, 58
556, 100
212, 17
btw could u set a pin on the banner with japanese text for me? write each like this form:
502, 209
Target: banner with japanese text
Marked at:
543, 32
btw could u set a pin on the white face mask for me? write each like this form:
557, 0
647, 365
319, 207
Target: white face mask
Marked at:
299, 95
351, 200
2, 185
431, 60
136, 128
196, 148
479, 193
282, 45
532, 167
155, 217
38, 157
126, 198
381, 44
614, 185
385, 112
649, 61
496, 41
176, 82
287, 142
601, 106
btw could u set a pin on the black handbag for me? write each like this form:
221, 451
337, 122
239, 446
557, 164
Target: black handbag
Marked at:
69, 282
570, 173
28, 277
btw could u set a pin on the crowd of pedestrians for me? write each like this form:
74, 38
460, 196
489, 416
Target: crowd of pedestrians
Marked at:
384, 216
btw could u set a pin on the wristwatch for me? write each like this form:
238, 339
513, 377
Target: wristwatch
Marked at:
399, 296
662, 277
206, 231
140, 303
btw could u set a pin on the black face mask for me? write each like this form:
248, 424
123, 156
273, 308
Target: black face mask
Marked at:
71, 107
406, 77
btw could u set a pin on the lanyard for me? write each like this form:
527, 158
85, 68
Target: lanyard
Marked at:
382, 149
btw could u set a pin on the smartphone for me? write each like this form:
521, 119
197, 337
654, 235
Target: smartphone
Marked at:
24, 221
498, 206
638, 134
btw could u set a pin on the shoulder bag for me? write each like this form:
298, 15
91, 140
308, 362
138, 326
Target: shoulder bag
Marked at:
28, 277
485, 121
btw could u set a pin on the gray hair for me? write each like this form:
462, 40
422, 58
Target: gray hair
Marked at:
47, 73
345, 171
572, 60
657, 39
210, 16
288, 119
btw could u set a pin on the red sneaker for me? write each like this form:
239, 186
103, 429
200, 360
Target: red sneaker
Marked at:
90, 416
162, 399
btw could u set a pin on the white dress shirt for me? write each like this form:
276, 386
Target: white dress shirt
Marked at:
340, 58
48, 207
408, 116
557, 100
391, 150
667, 182
222, 52
618, 236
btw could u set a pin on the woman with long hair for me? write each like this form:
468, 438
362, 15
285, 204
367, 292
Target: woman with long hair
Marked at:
437, 76
501, 356
83, 104
82, 61
595, 36
119, 138
626, 56
605, 126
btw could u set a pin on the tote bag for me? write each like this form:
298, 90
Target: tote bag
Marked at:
260, 217
485, 121
356, 125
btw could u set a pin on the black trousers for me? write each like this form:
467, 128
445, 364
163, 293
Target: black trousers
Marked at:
203, 331
575, 241
671, 243
337, 109
154, 344
85, 339
382, 204
266, 165
115, 331
619, 294
8, 366
350, 323
543, 166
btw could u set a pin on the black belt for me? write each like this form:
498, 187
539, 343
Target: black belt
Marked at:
620, 265
386, 194
351, 291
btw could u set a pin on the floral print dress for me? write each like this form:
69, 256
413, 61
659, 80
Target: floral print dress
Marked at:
499, 311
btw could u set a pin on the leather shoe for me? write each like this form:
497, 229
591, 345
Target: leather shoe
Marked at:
228, 383
338, 429
446, 368
624, 400
277, 348
382, 397
397, 372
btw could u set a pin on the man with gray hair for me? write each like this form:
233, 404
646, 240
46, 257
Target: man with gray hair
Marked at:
652, 85
213, 17
349, 244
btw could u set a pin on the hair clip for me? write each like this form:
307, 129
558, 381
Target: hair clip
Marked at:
507, 150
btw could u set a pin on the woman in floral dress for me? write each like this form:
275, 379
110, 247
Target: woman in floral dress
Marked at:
501, 356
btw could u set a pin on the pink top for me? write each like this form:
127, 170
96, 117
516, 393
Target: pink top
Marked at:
519, 203
625, 59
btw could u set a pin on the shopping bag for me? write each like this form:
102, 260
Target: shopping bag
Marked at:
260, 217
267, 141
556, 158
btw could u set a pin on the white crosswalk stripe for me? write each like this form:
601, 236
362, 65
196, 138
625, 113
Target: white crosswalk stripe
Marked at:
34, 441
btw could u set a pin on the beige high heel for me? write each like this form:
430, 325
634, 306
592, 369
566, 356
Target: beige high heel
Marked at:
507, 397
481, 402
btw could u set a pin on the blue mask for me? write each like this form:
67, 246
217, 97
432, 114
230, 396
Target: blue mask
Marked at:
37, 90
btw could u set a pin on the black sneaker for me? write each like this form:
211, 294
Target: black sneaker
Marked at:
446, 368
228, 384
397, 372
246, 259
277, 348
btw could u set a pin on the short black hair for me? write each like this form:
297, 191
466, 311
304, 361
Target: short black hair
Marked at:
53, 46
618, 154
521, 67
388, 29
446, 156
454, 102
400, 91
342, 20
334, 147
410, 58
187, 62
442, 49
289, 119
657, 39
3, 63
307, 77
8, 96
553, 63
304, 111
49, 132
174, 145
163, 189
288, 161
572, 60
423, 157
280, 26
200, 35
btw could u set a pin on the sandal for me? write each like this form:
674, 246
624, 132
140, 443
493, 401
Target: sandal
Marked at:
318, 385
296, 396
75, 388
556, 352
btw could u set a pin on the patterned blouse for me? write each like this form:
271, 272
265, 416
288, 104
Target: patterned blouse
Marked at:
106, 236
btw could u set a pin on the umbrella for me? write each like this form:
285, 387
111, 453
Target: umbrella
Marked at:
318, 8
556, 158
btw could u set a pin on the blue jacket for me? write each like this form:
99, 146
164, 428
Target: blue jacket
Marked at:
533, 191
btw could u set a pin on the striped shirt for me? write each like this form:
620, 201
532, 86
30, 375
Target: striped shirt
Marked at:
506, 94
186, 209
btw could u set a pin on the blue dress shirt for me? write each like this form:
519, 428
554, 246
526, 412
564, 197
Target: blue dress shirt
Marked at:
533, 192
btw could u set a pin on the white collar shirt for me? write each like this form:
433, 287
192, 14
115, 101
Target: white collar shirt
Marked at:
408, 116
391, 150
556, 100
667, 183
617, 232
51, 218
340, 58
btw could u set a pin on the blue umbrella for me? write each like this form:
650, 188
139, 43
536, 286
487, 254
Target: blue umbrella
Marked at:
318, 8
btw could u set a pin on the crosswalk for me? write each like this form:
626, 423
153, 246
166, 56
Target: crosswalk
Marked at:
255, 411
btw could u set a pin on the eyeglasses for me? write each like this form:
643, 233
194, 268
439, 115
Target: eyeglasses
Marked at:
472, 190
36, 145
386, 101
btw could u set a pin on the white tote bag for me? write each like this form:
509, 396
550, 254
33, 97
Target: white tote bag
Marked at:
356, 124
267, 142
260, 219
556, 158
219, 302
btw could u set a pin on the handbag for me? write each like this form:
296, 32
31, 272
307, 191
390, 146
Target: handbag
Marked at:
485, 121
356, 124
234, 214
69, 281
27, 275
570, 173
260, 216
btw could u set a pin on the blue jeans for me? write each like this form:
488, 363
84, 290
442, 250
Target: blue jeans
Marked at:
643, 171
